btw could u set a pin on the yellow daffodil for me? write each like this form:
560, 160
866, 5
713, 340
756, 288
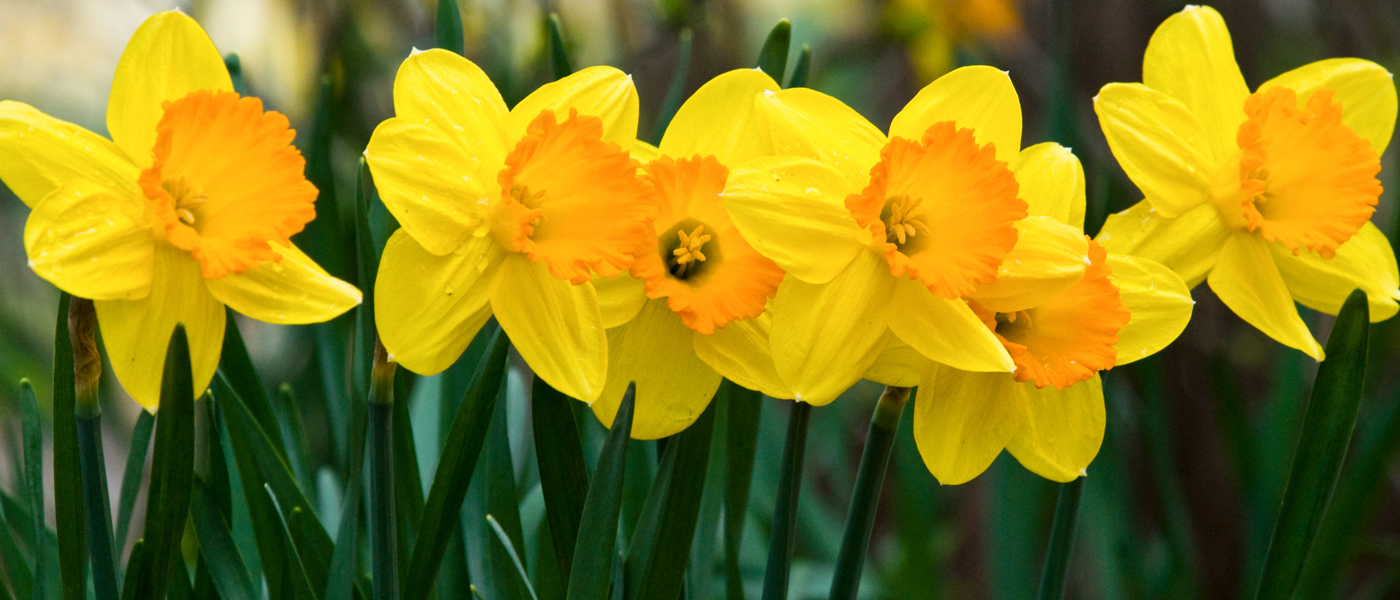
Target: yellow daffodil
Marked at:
882, 237
1049, 413
187, 209
936, 30
505, 212
1267, 196
693, 307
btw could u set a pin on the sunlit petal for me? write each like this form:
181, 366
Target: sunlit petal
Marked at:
38, 153
1189, 244
1192, 59
91, 241
1159, 143
1157, 298
963, 420
1063, 431
1365, 261
292, 291
977, 97
555, 325
1248, 281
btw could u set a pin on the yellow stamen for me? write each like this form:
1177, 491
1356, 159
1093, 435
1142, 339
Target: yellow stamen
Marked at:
902, 223
689, 250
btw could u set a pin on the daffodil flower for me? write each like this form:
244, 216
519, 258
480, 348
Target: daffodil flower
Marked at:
508, 213
693, 307
1267, 196
1049, 413
881, 238
187, 209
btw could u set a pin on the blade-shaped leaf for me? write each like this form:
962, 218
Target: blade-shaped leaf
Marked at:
296, 566
741, 442
559, 63
225, 565
449, 26
592, 570
514, 556
237, 367
775, 579
772, 59
802, 69
67, 471
32, 434
131, 475
563, 474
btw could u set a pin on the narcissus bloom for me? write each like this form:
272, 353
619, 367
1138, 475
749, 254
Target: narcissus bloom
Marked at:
189, 208
505, 212
693, 307
882, 237
1267, 196
1050, 412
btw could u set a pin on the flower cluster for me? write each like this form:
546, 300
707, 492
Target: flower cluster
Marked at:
775, 237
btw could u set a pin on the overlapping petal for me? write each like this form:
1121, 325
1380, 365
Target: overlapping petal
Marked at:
674, 386
944, 330
603, 92
1052, 183
292, 291
168, 57
740, 351
1049, 258
39, 153
1063, 430
1248, 281
899, 364
619, 298
719, 120
1365, 89
136, 333
555, 325
452, 96
1159, 143
1365, 261
1191, 58
810, 124
963, 420
977, 97
1189, 244
91, 241
428, 307
1159, 303
792, 211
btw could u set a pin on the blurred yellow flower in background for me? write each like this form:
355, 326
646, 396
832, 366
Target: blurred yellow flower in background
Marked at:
507, 213
1266, 196
935, 29
188, 209
693, 307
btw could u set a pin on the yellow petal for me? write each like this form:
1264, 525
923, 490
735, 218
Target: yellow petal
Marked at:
168, 57
136, 333
435, 189
428, 307
1158, 300
1365, 89
454, 97
644, 152
963, 420
1365, 261
719, 120
978, 97
1052, 183
1049, 257
620, 298
792, 210
740, 351
810, 124
1159, 144
899, 364
92, 242
38, 153
1188, 245
1248, 281
603, 92
673, 385
292, 291
556, 326
1191, 59
825, 337
944, 330
1063, 431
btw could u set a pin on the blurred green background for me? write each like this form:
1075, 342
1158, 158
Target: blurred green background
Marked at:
1178, 504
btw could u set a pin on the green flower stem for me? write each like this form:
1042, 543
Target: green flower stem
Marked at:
87, 369
775, 578
1062, 530
874, 461
383, 536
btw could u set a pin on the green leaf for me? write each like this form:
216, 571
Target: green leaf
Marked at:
661, 544
32, 434
172, 470
368, 261
1061, 546
502, 501
563, 474
294, 435
237, 368
741, 442
408, 481
296, 565
344, 566
225, 565
514, 556
443, 511
674, 94
131, 474
772, 59
775, 577
802, 69
558, 55
1321, 450
16, 565
68, 477
262, 513
591, 570
235, 72
135, 565
449, 27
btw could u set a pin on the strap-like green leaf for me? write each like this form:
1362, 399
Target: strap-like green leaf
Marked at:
237, 367
802, 69
296, 564
775, 578
559, 64
661, 544
772, 59
131, 474
449, 26
68, 478
443, 511
1321, 451
563, 474
741, 442
514, 556
32, 434
224, 563
593, 568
